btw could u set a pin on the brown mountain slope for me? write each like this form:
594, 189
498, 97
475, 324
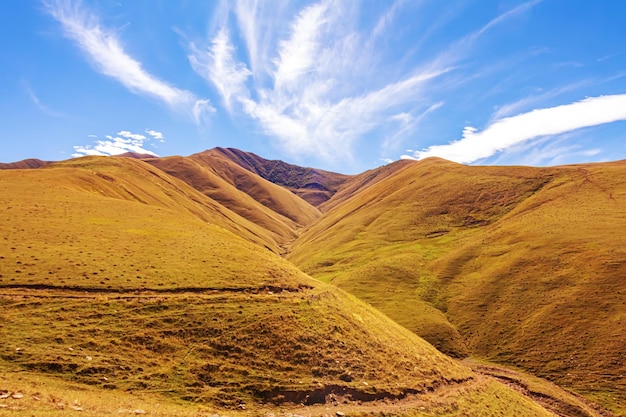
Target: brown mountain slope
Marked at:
265, 192
116, 275
275, 209
313, 185
519, 265
24, 164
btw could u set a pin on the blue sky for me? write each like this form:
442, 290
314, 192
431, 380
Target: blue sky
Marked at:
340, 85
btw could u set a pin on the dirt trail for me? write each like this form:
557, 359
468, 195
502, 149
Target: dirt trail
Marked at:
554, 398
545, 394
433, 402
56, 291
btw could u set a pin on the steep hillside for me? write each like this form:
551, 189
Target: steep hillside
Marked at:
265, 192
267, 205
313, 185
118, 276
518, 265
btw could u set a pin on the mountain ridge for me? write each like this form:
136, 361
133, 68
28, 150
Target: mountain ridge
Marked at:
452, 253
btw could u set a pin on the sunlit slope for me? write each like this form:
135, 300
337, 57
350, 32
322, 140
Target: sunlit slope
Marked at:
361, 182
526, 263
313, 185
545, 288
379, 241
271, 195
104, 281
134, 180
267, 205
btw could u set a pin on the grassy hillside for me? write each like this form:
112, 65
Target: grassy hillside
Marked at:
313, 185
120, 277
522, 266
271, 195
279, 214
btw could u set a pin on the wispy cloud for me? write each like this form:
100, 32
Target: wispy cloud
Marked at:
319, 95
106, 53
528, 102
316, 83
219, 66
408, 123
125, 141
510, 131
516, 11
297, 54
35, 99
387, 18
550, 150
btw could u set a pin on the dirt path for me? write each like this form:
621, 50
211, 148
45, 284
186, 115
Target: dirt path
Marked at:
548, 395
431, 403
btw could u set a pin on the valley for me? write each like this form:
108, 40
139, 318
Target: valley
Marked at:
224, 283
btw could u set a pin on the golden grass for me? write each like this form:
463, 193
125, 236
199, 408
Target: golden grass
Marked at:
275, 209
116, 276
44, 396
68, 227
525, 263
41, 396
119, 280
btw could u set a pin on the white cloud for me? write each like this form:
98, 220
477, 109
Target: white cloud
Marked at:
320, 95
314, 78
404, 118
521, 9
130, 135
124, 141
107, 55
528, 102
510, 131
155, 135
387, 18
298, 53
409, 123
219, 66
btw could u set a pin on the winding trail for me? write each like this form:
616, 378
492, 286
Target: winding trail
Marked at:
552, 397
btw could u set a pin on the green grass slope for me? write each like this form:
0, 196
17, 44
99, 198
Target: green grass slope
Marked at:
519, 265
117, 276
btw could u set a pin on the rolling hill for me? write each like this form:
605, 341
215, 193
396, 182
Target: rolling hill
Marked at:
122, 285
521, 266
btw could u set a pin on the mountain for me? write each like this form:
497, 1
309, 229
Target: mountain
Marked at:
24, 164
275, 209
163, 275
520, 266
117, 277
313, 185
